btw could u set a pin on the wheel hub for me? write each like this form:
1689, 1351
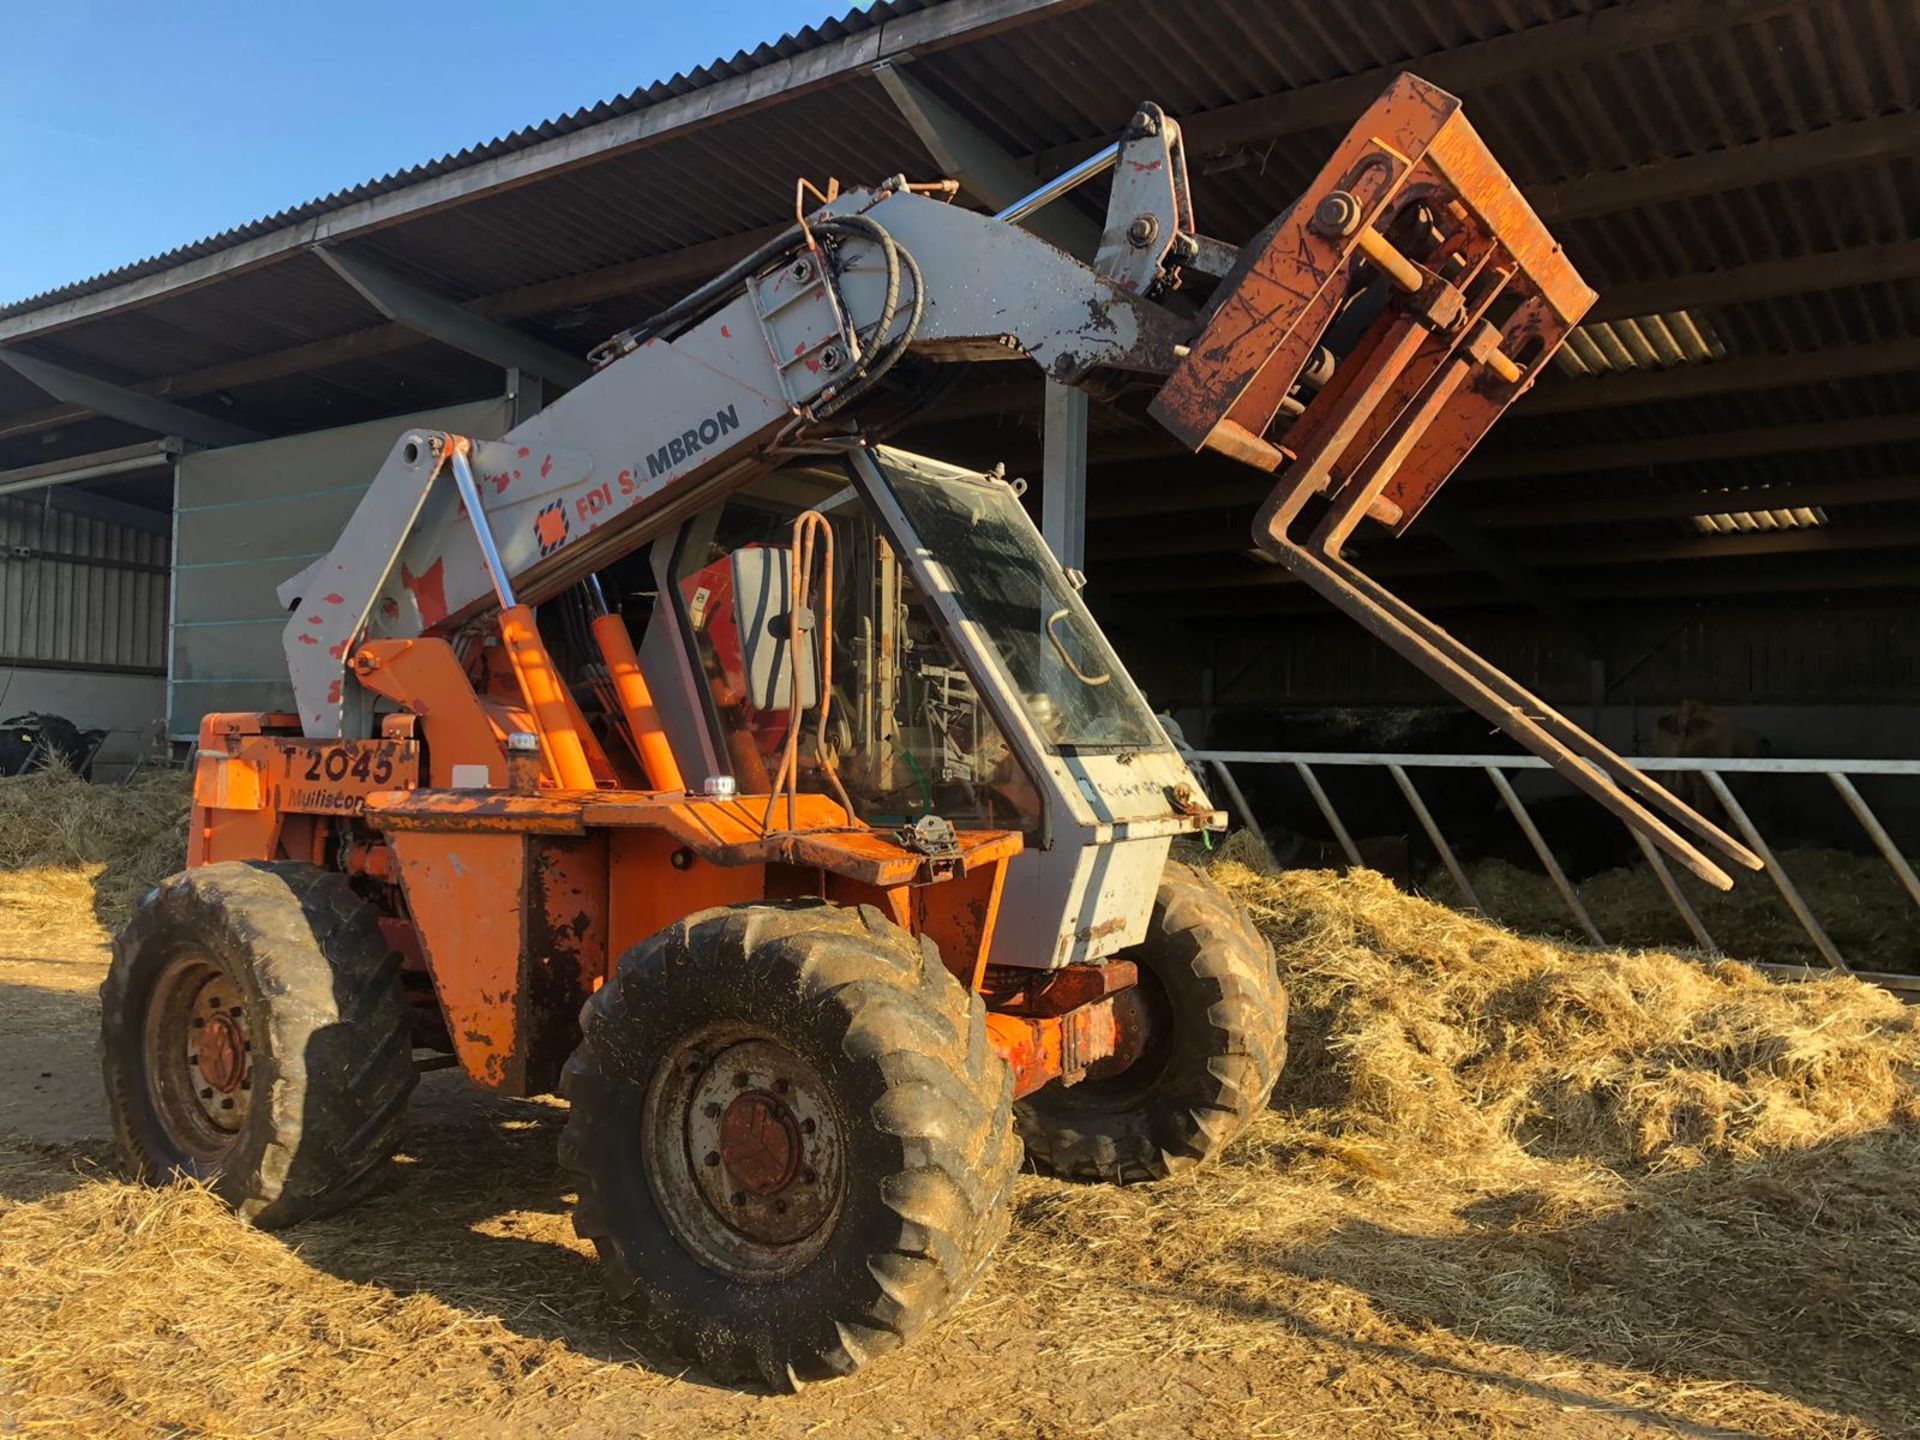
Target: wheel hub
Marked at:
760, 1143
199, 1056
221, 1054
744, 1152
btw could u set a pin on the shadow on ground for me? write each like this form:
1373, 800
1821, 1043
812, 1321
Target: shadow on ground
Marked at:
478, 1214
1794, 1273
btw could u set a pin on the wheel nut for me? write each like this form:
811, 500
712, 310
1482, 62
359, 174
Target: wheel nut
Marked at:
739, 1197
779, 1207
741, 1080
713, 1158
713, 1110
806, 1126
207, 1094
783, 1085
811, 1178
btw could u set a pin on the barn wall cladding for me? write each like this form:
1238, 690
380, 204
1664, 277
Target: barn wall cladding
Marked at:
1780, 651
250, 516
78, 592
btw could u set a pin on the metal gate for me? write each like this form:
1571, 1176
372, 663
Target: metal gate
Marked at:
1713, 771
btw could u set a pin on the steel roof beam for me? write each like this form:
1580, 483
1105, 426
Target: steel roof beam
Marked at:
1837, 269
1738, 167
129, 406
1751, 372
677, 267
988, 173
121, 460
851, 55
1762, 280
439, 318
1744, 444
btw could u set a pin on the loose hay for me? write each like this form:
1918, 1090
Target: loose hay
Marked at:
1508, 1189
1858, 900
74, 857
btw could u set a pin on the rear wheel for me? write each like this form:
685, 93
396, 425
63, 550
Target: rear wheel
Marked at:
1216, 1040
792, 1138
253, 1035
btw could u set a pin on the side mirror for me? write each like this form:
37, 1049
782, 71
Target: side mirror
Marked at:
763, 610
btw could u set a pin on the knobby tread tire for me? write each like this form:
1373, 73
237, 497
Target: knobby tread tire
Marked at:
926, 1108
332, 1051
1228, 1015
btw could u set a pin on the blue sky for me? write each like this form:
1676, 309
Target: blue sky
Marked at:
128, 127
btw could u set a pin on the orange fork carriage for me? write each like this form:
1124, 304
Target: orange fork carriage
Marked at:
1477, 297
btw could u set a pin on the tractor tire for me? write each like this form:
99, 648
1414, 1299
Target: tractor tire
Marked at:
1217, 1041
254, 1036
792, 1139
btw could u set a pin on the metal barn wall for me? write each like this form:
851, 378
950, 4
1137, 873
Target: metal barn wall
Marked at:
1813, 675
78, 592
248, 516
1856, 650
83, 622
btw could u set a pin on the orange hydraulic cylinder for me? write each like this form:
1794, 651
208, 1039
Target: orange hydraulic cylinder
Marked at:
547, 698
636, 703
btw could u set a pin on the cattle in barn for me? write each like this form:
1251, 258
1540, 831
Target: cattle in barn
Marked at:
1366, 798
33, 741
1694, 729
1584, 838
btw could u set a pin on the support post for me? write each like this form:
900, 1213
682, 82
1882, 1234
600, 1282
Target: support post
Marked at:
526, 395
1063, 475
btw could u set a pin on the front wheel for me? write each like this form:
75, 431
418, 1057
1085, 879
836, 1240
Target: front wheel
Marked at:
254, 1035
792, 1138
1216, 1040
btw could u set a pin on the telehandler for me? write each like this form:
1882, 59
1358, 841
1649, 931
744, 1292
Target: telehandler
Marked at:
846, 884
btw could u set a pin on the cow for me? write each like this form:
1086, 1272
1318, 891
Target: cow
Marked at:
34, 742
1694, 729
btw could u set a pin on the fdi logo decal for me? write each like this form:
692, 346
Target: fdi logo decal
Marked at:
550, 527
